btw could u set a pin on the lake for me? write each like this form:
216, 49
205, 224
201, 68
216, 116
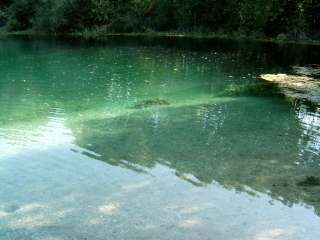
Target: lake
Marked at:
142, 138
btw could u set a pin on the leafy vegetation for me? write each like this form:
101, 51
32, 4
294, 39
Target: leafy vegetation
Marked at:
292, 19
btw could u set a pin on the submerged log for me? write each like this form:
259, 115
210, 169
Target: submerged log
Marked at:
300, 87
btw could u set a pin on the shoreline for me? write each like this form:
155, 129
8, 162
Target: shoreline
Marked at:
92, 35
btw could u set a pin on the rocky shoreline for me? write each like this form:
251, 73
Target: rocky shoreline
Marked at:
304, 84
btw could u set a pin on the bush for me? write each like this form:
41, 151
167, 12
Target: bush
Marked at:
21, 14
281, 37
295, 18
3, 18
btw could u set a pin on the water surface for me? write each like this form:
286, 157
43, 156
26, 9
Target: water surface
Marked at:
83, 156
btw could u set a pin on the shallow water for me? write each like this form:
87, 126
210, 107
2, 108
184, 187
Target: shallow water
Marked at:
83, 156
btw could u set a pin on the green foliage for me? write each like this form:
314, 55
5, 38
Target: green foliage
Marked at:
63, 15
3, 17
281, 37
49, 16
21, 14
295, 18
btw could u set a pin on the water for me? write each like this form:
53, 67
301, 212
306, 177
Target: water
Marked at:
83, 156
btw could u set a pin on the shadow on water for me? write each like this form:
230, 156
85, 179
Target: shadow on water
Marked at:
236, 144
272, 54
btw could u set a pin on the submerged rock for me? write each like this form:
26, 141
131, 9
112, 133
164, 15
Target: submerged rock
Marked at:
310, 182
300, 87
151, 102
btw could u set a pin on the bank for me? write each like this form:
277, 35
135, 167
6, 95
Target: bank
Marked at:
100, 34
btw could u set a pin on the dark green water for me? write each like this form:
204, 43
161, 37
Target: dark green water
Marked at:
83, 156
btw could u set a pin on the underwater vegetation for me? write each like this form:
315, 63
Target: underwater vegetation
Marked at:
150, 103
251, 89
310, 182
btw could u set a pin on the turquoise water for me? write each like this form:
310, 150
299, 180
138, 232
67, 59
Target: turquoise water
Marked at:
154, 140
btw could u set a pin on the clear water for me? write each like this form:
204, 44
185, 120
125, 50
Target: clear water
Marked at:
81, 158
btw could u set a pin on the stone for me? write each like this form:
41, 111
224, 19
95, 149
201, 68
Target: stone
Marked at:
300, 87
